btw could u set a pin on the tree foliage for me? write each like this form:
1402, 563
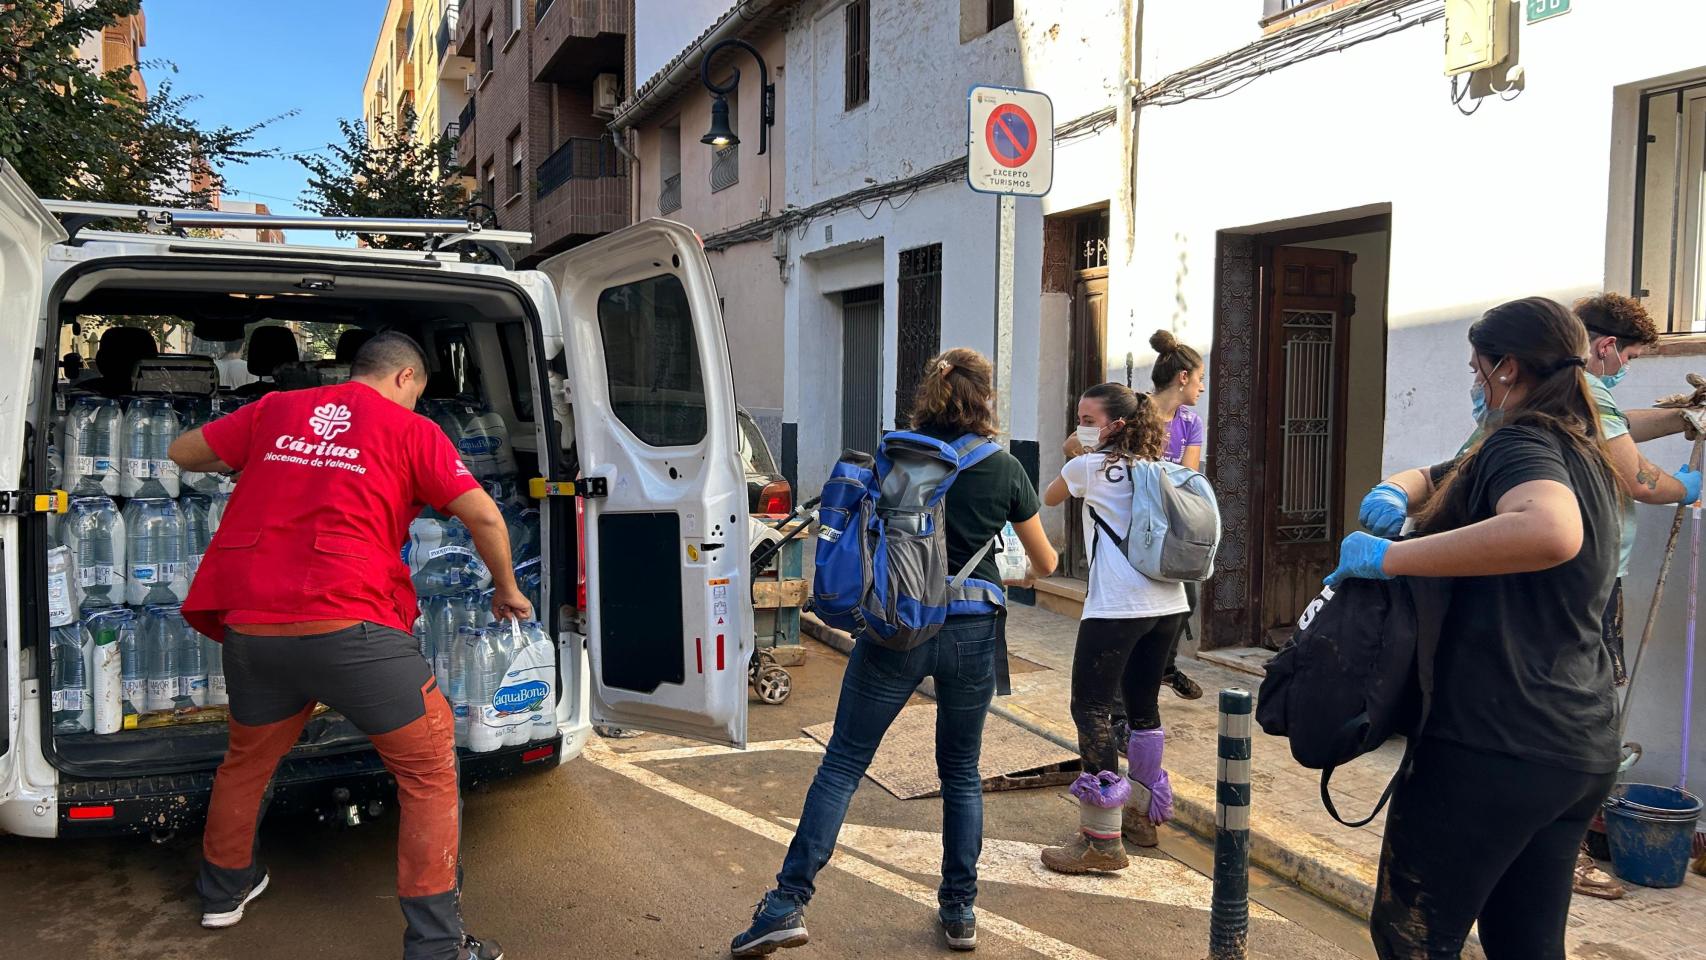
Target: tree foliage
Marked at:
75, 132
385, 171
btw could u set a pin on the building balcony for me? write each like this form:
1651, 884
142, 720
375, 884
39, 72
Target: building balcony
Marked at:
462, 33
669, 198
582, 192
465, 135
575, 40
452, 64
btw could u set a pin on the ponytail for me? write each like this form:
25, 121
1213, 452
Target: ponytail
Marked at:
1144, 436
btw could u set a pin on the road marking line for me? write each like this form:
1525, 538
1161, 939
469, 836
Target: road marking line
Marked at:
847, 863
1149, 879
799, 744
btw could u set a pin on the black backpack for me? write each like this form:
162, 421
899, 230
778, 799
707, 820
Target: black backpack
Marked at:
1358, 670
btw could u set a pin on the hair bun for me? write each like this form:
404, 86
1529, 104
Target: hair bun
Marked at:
1163, 342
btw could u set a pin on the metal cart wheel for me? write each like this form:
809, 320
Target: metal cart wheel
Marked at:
774, 685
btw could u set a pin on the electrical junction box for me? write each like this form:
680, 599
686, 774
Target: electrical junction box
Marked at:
1477, 34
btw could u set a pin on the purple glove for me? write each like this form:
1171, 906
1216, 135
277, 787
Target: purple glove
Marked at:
1143, 752
1107, 789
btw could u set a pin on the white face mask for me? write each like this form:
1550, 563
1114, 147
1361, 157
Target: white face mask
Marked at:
1089, 437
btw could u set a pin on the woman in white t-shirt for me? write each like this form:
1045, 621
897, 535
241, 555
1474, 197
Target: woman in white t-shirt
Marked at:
1129, 625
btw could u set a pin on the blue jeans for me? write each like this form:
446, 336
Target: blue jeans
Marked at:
878, 682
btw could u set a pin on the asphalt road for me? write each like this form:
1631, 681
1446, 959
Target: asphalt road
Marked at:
651, 847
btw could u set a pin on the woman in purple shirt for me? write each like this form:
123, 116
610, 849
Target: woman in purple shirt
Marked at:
1179, 383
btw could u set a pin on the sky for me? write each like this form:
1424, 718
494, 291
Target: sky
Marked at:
249, 61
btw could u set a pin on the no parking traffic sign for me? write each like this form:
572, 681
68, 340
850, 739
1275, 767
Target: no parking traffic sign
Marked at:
1009, 141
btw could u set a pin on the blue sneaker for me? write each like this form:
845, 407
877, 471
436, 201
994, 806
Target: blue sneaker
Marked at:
959, 925
777, 923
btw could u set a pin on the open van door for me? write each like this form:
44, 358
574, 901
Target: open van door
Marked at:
27, 230
669, 614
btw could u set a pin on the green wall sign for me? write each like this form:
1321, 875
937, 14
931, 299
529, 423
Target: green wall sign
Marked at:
1539, 10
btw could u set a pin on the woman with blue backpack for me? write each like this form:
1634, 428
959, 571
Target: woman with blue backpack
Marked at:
1129, 625
1519, 746
986, 488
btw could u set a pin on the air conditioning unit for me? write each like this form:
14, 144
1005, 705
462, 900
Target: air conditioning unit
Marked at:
606, 93
470, 83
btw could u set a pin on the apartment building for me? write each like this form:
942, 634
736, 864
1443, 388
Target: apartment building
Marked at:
119, 46
414, 68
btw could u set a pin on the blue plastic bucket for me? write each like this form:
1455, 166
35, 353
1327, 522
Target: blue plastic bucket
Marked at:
1651, 830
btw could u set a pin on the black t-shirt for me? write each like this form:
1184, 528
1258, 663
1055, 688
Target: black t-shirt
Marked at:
1521, 669
982, 501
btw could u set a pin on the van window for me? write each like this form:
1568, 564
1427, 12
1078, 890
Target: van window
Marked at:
518, 366
652, 359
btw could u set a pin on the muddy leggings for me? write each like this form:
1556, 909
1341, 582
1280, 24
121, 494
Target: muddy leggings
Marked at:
1475, 836
1118, 660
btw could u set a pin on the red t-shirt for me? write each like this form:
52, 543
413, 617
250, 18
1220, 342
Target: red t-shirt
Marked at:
331, 478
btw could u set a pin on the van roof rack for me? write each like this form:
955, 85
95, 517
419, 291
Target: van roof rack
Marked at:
77, 214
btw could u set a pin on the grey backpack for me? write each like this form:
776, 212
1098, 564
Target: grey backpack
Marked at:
1175, 523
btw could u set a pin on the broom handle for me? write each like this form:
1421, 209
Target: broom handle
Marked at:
1694, 463
1688, 655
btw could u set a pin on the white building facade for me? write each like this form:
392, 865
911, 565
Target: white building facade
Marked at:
1323, 213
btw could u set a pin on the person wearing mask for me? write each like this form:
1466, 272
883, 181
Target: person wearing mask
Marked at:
1522, 729
954, 399
1130, 622
1179, 378
1619, 331
305, 585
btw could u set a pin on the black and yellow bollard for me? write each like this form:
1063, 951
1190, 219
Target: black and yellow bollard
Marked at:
1229, 912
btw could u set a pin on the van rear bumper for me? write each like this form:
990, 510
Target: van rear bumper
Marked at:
304, 786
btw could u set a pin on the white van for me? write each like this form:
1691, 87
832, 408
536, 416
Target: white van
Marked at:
607, 364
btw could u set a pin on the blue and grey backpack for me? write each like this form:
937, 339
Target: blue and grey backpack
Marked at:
882, 551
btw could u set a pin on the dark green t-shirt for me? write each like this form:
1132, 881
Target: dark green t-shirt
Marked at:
982, 501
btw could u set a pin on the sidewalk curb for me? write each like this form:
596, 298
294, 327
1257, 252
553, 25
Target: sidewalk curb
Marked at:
1344, 881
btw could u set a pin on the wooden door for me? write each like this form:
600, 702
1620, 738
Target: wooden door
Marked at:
1088, 362
1306, 334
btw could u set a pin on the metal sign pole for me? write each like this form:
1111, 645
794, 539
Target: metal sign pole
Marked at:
1004, 231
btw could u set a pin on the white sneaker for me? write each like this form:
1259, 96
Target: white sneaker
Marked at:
218, 921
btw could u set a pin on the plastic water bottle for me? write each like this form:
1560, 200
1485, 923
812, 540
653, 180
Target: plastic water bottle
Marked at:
198, 533
91, 446
73, 709
523, 533
113, 633
195, 412
164, 427
95, 534
133, 665
485, 446
140, 467
61, 601
484, 671
458, 688
441, 554
216, 514
162, 642
192, 666
213, 656
154, 529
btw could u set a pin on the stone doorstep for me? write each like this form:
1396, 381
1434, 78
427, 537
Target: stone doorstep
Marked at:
1062, 595
1344, 880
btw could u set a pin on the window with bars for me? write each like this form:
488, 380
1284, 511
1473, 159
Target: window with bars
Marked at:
1280, 9
858, 78
1669, 266
920, 332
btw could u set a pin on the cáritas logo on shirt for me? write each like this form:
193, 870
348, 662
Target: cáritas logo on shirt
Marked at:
326, 422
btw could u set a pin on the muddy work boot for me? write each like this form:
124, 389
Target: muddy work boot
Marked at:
1087, 854
1185, 687
1592, 881
1135, 826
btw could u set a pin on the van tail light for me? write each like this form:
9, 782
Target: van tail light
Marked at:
537, 754
776, 498
91, 812
580, 555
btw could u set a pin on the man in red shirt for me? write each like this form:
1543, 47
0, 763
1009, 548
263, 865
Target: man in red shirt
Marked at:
305, 585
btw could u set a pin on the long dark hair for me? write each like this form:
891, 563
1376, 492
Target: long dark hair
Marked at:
957, 394
1144, 436
1547, 343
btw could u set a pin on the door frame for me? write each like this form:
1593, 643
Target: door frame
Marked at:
1237, 443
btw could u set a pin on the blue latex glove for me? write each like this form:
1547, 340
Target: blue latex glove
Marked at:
1384, 509
1361, 557
1690, 480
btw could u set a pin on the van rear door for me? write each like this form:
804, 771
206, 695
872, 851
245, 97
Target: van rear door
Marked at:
669, 615
27, 230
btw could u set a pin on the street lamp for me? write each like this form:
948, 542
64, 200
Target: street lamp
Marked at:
721, 134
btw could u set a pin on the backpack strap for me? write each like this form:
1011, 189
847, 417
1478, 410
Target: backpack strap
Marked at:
958, 580
1385, 795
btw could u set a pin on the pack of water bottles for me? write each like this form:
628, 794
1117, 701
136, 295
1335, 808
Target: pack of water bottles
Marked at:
510, 679
482, 439
129, 547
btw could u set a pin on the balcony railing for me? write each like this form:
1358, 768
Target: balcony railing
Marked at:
539, 9
581, 158
465, 119
453, 129
669, 198
725, 167
447, 27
